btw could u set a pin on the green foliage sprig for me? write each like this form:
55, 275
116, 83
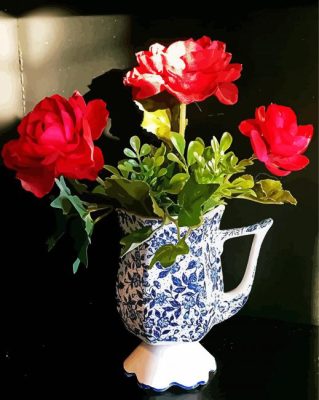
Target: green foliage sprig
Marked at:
176, 182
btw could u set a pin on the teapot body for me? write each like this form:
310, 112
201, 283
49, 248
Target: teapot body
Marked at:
183, 302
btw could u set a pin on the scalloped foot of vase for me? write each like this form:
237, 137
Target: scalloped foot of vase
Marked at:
159, 367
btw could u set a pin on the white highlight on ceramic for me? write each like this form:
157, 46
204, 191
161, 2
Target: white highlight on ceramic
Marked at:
187, 364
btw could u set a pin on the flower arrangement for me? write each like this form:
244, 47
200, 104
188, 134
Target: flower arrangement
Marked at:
171, 179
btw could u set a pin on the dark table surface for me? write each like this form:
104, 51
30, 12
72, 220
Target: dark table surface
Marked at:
256, 359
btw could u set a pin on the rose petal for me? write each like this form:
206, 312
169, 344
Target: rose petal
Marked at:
284, 150
77, 99
96, 115
260, 114
247, 126
294, 163
80, 165
147, 86
78, 105
68, 126
275, 170
206, 41
258, 146
227, 93
87, 136
11, 153
281, 116
230, 74
149, 63
22, 127
190, 70
306, 131
53, 136
98, 161
39, 181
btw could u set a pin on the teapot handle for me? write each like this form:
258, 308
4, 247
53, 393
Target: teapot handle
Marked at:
237, 297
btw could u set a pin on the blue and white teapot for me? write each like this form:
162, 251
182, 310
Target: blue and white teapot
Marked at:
172, 309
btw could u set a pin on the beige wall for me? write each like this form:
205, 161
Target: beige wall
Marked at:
50, 52
10, 84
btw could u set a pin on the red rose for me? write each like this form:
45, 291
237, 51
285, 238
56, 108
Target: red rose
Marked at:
277, 140
190, 70
56, 138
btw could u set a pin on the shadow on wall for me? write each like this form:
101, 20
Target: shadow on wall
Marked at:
125, 117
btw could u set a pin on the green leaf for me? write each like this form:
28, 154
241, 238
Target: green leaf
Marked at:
244, 182
215, 145
112, 169
233, 160
200, 140
179, 178
61, 222
156, 208
135, 144
148, 162
77, 203
128, 166
159, 161
81, 243
134, 163
145, 150
194, 147
191, 199
76, 265
161, 172
177, 183
173, 157
99, 189
212, 202
78, 186
129, 153
85, 225
166, 255
269, 191
178, 142
123, 170
63, 203
208, 153
65, 198
161, 151
245, 163
132, 195
134, 239
225, 141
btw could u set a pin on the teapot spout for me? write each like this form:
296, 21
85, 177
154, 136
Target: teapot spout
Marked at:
233, 301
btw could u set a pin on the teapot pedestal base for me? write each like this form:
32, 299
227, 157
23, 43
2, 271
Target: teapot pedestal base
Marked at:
161, 366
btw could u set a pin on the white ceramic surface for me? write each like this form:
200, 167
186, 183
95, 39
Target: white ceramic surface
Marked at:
185, 364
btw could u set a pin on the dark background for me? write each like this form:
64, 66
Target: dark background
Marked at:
59, 327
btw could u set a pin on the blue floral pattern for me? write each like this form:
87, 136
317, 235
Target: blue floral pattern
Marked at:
181, 302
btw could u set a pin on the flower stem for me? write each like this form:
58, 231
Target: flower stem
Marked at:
100, 181
188, 233
182, 119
